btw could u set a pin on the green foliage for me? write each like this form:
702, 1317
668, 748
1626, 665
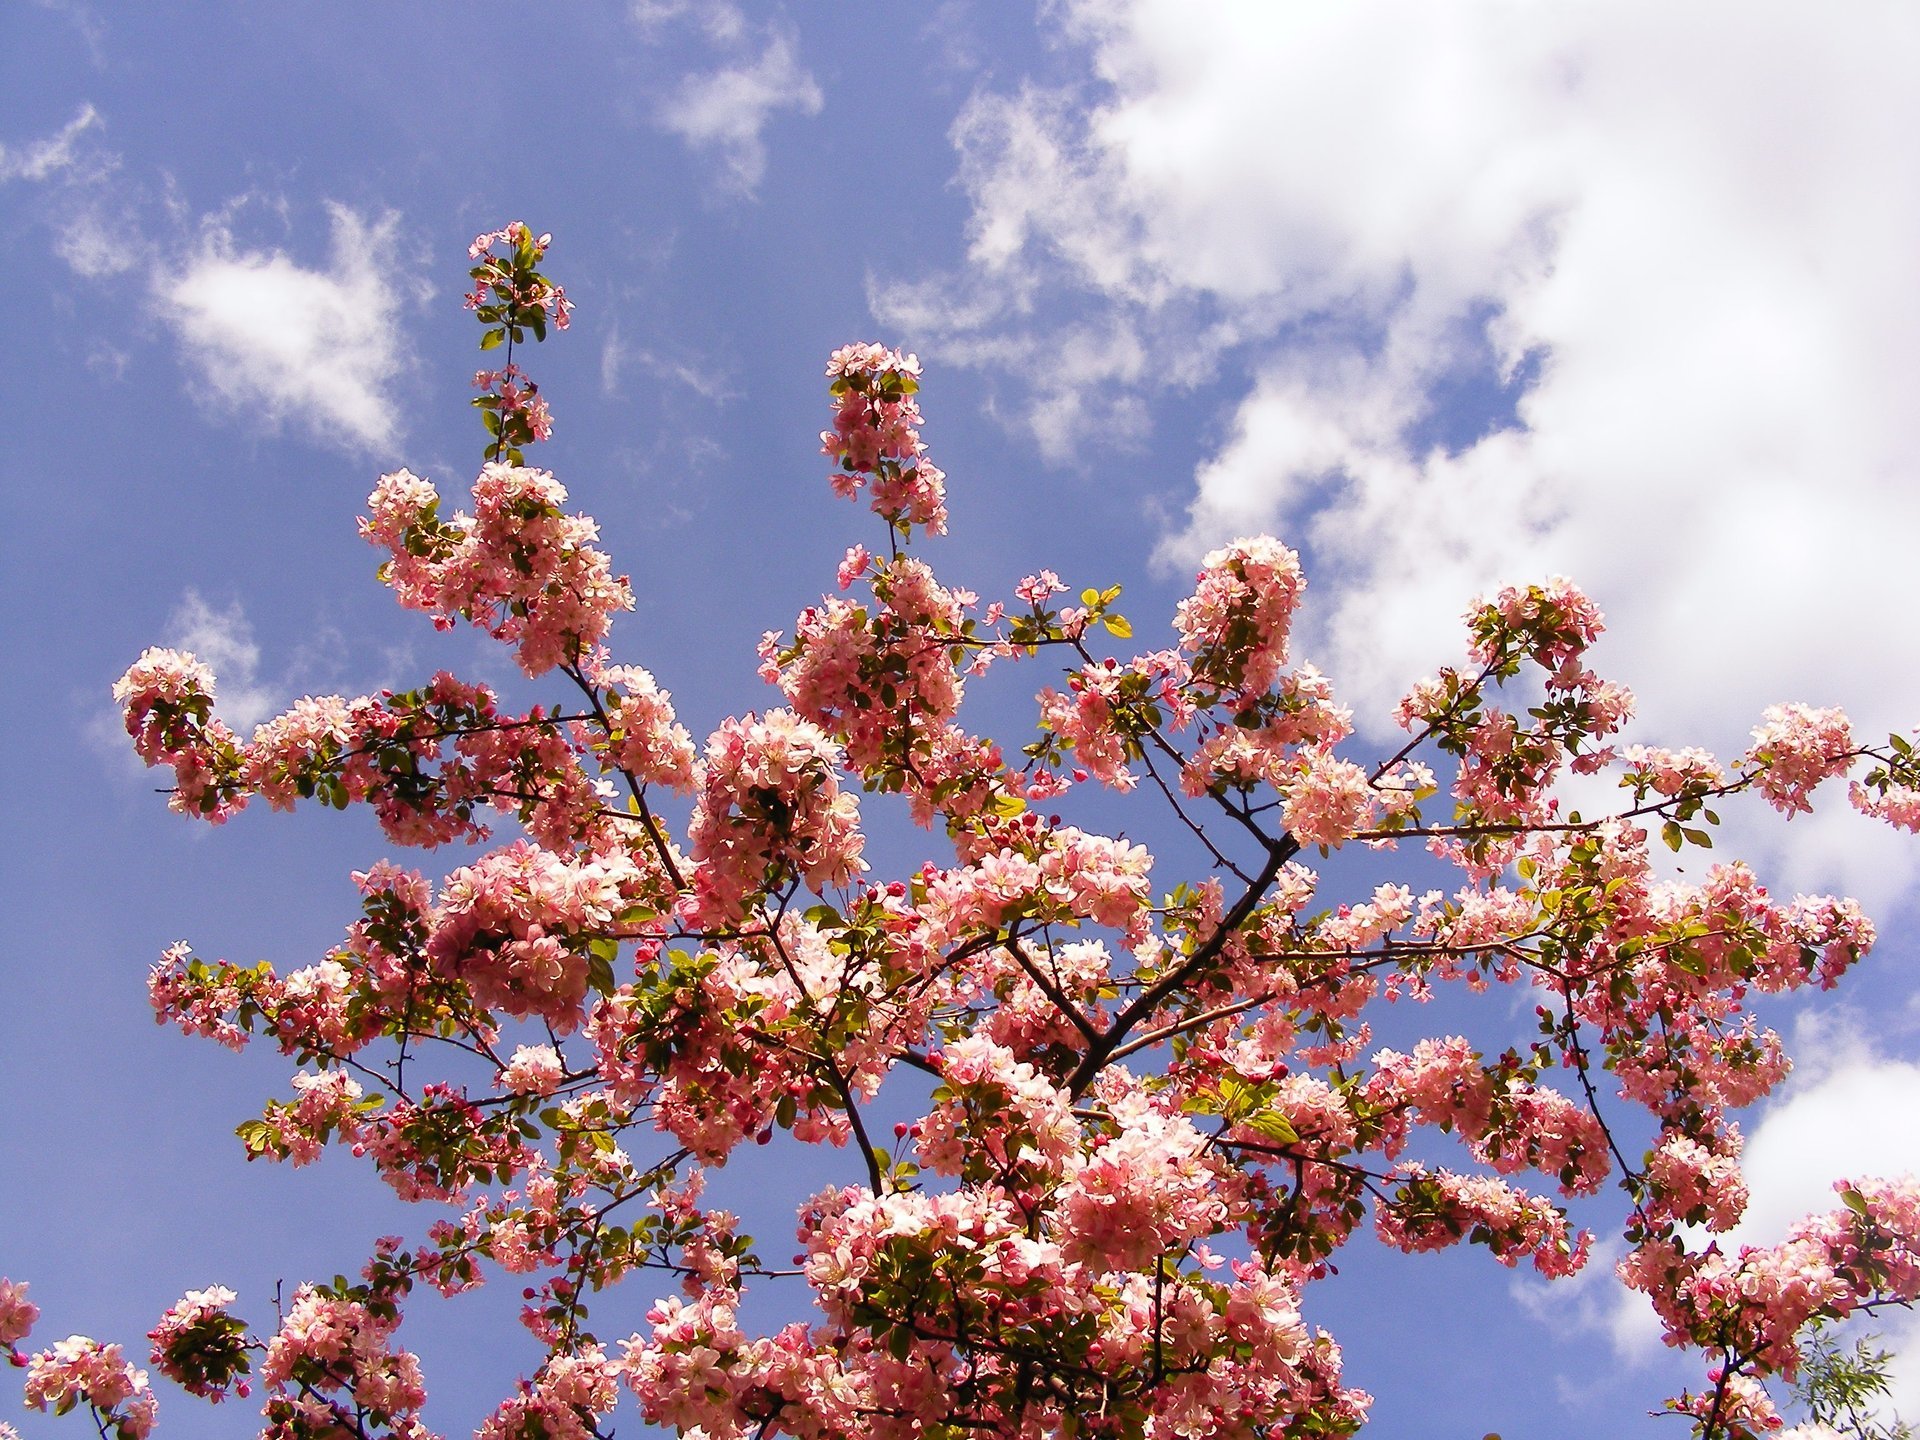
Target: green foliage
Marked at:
1841, 1387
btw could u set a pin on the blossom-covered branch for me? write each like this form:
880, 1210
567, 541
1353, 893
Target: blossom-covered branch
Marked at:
1157, 1107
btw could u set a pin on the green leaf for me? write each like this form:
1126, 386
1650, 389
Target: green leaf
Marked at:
1275, 1126
492, 339
1687, 960
1118, 627
1672, 835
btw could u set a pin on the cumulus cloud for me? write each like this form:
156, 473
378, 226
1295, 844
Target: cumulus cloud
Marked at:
278, 340
725, 111
40, 159
1665, 248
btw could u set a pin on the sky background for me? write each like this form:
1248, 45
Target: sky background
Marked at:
1445, 295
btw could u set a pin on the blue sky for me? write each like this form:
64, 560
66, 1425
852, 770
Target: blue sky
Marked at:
1445, 296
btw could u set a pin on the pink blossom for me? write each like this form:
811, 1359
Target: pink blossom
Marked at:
17, 1313
533, 1070
770, 806
1036, 590
1898, 805
79, 1371
1237, 621
200, 1347
1328, 801
167, 700
1799, 747
644, 739
520, 568
875, 441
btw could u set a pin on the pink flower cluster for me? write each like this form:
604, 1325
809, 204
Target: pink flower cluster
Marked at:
770, 809
167, 698
380, 751
1757, 1303
81, 1371
1799, 747
1898, 805
200, 1347
1435, 1209
514, 927
1508, 1122
333, 1356
563, 1402
521, 569
1152, 1186
514, 412
17, 1313
511, 287
325, 1106
882, 683
1551, 624
1236, 622
1328, 801
995, 1114
643, 738
1692, 1184
874, 439
1301, 714
1042, 873
1106, 709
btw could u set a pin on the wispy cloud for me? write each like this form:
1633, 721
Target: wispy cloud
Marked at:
319, 347
1664, 247
265, 335
725, 112
80, 206
40, 159
722, 22
1594, 1302
96, 242
690, 371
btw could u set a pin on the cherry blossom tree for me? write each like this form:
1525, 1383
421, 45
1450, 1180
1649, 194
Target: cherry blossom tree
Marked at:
1149, 1110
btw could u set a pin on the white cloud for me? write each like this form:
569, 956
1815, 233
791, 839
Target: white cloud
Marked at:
40, 159
223, 641
1682, 234
1594, 1302
613, 359
283, 342
725, 111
